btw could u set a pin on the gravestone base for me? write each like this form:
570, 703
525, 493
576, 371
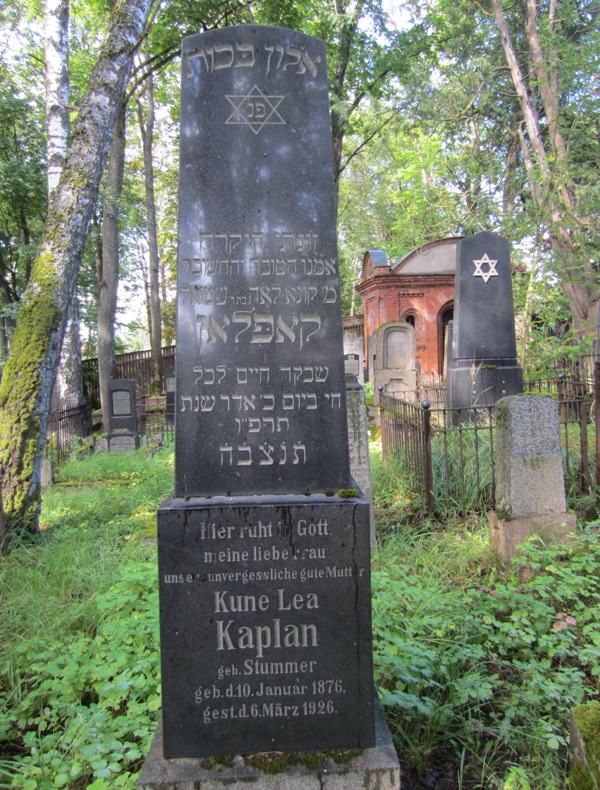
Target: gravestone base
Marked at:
123, 442
483, 384
505, 536
376, 768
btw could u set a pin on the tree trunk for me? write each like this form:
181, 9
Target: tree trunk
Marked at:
2, 529
31, 369
338, 122
546, 169
56, 52
109, 268
68, 388
147, 132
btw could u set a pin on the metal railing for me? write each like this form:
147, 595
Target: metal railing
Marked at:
451, 452
65, 427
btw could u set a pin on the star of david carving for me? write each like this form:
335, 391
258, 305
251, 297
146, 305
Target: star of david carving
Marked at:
490, 272
255, 110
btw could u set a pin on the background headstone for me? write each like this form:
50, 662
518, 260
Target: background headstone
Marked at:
530, 488
395, 366
354, 350
122, 416
484, 353
170, 403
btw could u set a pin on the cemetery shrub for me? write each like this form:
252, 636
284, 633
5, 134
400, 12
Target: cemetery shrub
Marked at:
79, 686
477, 665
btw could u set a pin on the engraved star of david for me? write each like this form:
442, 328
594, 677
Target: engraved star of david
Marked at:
255, 110
491, 272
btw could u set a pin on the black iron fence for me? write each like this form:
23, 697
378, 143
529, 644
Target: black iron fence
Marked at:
451, 452
136, 366
65, 428
70, 429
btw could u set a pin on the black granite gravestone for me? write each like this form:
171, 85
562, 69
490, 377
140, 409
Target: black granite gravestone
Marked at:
483, 365
122, 416
264, 563
260, 374
265, 625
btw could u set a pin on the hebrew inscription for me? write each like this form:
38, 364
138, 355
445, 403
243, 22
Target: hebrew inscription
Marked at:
260, 375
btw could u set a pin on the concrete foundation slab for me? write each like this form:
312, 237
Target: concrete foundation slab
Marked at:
374, 769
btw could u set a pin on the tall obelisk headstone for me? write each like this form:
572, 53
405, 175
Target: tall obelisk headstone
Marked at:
483, 366
263, 567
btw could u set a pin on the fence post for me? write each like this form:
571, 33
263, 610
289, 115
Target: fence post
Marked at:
428, 461
383, 425
583, 442
597, 418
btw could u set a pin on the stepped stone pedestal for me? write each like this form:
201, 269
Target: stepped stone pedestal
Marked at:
376, 768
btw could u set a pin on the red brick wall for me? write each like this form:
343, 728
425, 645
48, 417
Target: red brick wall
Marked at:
391, 297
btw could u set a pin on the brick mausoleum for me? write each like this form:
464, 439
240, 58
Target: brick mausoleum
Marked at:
419, 289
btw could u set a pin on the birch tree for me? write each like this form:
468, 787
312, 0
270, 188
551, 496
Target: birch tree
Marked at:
26, 385
146, 124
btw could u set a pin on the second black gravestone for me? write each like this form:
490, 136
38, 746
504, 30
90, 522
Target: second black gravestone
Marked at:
122, 416
483, 366
264, 575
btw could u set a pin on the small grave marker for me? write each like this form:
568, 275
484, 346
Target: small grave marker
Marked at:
122, 418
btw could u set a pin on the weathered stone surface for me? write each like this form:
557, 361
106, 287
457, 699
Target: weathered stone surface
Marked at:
358, 438
395, 365
265, 625
123, 442
260, 375
47, 473
529, 473
484, 365
506, 535
376, 768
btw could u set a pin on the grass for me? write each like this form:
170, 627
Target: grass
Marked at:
477, 665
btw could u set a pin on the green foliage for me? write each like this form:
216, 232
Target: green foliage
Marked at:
79, 670
462, 471
478, 664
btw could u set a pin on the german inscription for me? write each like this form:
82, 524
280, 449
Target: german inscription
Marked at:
277, 654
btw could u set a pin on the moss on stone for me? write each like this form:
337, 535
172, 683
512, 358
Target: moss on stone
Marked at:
278, 762
580, 778
587, 719
348, 493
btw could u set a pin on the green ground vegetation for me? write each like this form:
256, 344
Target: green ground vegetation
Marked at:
477, 665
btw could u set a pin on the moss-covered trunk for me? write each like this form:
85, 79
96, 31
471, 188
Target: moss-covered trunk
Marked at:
28, 377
